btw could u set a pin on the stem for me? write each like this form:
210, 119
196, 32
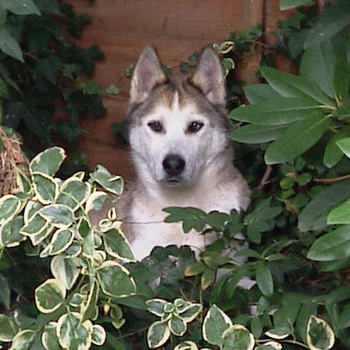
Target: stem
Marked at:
332, 179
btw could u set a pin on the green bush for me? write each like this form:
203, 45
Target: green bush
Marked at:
296, 158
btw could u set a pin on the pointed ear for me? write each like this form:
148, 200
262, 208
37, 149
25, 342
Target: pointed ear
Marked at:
209, 77
147, 73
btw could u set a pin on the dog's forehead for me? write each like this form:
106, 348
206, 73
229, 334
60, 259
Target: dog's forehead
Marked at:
177, 97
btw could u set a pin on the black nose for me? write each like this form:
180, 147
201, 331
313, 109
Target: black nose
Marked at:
173, 164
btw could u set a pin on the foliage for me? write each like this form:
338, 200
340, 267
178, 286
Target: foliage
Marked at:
45, 79
277, 276
51, 218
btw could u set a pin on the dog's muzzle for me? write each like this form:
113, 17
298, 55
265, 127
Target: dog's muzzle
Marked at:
173, 165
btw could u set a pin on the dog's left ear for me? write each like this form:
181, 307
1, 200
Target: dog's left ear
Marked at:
210, 78
147, 74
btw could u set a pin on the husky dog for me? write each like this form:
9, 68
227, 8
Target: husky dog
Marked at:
181, 151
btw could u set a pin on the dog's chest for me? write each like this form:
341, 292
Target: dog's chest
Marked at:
149, 230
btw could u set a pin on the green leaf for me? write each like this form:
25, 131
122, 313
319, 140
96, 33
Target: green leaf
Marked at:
340, 214
255, 134
264, 278
158, 334
89, 308
290, 4
117, 245
177, 326
278, 333
72, 333
332, 154
319, 335
191, 312
9, 207
45, 188
66, 270
321, 73
60, 241
112, 90
207, 278
238, 337
10, 233
5, 293
8, 328
58, 215
329, 23
186, 345
260, 92
216, 322
290, 85
73, 193
49, 296
195, 269
23, 340
49, 338
192, 218
98, 335
111, 183
280, 111
314, 216
297, 139
35, 225
115, 279
48, 161
156, 306
49, 6
96, 201
9, 45
331, 246
21, 7
344, 145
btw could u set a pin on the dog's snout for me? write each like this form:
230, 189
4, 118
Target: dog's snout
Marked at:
173, 164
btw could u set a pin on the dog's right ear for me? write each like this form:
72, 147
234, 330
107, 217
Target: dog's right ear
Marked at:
147, 74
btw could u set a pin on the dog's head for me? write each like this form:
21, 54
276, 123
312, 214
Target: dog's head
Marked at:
177, 126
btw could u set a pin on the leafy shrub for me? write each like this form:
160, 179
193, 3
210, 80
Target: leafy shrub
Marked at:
295, 157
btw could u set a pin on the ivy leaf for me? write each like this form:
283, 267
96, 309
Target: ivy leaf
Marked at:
297, 139
49, 338
65, 269
98, 335
156, 306
9, 45
23, 340
177, 326
58, 215
10, 205
331, 246
109, 182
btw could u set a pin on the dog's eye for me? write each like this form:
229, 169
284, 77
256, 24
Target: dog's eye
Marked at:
155, 126
195, 127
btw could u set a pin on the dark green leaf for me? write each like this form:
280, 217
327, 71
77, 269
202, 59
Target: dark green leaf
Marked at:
260, 92
297, 139
264, 278
314, 215
340, 214
279, 111
49, 6
330, 22
331, 246
9, 45
254, 134
21, 7
290, 4
290, 85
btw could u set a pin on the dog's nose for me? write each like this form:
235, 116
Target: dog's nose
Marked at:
173, 164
